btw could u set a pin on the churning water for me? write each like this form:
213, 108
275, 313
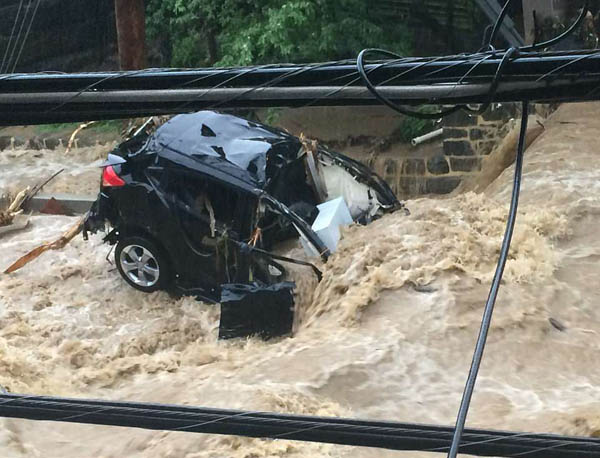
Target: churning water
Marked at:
388, 333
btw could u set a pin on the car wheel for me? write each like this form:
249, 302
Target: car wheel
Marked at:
142, 264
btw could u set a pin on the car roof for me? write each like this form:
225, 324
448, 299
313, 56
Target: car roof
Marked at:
224, 146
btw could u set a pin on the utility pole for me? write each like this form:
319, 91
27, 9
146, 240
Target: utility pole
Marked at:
131, 33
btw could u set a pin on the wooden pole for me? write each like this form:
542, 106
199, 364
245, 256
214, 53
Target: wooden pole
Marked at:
131, 33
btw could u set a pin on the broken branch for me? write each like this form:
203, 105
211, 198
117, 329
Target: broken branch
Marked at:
18, 201
16, 206
38, 187
7, 216
58, 244
75, 132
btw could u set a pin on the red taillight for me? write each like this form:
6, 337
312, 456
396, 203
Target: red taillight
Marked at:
110, 177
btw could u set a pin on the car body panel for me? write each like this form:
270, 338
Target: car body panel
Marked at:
209, 187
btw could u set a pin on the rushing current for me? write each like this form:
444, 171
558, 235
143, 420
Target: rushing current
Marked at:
387, 334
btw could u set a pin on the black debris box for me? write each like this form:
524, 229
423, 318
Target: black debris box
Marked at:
254, 309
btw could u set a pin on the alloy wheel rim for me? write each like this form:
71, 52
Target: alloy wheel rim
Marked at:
139, 265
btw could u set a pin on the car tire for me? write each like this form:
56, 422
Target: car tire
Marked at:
142, 264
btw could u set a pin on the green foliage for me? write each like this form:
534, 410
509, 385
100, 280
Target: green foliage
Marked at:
113, 125
57, 127
414, 127
237, 32
411, 127
272, 115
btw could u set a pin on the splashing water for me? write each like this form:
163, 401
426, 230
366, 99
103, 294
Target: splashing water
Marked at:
387, 334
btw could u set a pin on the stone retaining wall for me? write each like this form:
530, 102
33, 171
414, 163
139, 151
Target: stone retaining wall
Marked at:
50, 142
439, 166
414, 176
435, 167
469, 137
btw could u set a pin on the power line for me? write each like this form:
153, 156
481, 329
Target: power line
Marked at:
491, 300
12, 53
510, 223
11, 36
378, 434
26, 35
544, 77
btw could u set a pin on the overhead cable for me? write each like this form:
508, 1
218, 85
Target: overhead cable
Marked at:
12, 32
378, 434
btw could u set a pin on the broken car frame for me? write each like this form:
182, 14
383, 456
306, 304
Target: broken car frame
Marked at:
202, 200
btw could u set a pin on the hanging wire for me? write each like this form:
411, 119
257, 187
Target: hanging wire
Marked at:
26, 36
394, 106
390, 435
497, 25
12, 32
491, 300
16, 44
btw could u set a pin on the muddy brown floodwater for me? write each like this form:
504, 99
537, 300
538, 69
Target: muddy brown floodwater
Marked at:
388, 333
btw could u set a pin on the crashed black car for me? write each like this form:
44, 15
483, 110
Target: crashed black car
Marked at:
200, 201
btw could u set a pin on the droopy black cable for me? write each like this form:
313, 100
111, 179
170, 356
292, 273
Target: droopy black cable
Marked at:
373, 90
497, 24
394, 436
509, 54
491, 300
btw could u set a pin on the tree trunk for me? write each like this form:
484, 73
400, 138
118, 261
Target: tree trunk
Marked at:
450, 26
212, 46
131, 33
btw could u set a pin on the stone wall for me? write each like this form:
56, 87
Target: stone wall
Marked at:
472, 136
423, 171
469, 138
14, 139
368, 134
438, 167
